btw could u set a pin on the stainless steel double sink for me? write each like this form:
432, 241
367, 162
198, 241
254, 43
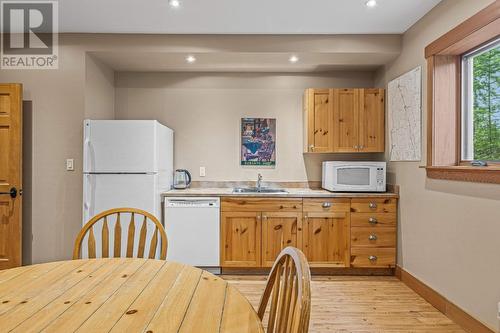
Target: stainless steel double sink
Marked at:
267, 190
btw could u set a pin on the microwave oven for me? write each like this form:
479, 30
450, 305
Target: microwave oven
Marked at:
354, 176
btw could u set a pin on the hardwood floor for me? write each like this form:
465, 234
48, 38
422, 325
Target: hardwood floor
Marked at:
360, 304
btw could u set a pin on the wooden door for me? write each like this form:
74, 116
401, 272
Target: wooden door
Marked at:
371, 120
10, 175
345, 120
240, 239
319, 120
326, 239
279, 230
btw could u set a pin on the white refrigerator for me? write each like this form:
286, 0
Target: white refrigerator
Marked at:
126, 163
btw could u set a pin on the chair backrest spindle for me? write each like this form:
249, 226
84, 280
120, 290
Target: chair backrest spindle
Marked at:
117, 250
105, 238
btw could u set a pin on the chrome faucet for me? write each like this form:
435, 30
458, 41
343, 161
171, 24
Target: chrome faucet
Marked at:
259, 182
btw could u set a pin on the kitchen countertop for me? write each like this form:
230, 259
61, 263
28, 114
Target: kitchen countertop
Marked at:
292, 193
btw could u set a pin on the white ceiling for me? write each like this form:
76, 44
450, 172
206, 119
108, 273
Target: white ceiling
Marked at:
241, 16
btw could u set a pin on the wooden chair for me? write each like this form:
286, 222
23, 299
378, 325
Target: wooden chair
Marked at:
289, 286
105, 235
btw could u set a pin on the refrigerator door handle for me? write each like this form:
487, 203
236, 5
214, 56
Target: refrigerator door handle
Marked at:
88, 197
87, 158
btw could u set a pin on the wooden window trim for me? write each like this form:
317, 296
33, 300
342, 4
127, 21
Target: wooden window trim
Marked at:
444, 98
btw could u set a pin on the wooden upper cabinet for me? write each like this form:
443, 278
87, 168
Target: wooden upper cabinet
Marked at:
279, 230
344, 120
371, 120
318, 120
240, 239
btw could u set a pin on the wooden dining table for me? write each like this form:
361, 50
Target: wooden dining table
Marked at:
121, 295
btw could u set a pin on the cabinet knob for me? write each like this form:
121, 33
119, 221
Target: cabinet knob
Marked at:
372, 237
372, 205
361, 147
372, 220
326, 205
372, 258
311, 147
355, 147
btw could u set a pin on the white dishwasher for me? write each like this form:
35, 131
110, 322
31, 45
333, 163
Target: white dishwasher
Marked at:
193, 230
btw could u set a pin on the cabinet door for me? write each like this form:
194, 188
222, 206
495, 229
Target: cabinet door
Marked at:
345, 120
326, 239
319, 120
240, 239
279, 230
371, 120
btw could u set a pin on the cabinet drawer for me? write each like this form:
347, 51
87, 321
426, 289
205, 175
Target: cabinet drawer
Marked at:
261, 204
373, 205
376, 257
373, 220
326, 205
370, 237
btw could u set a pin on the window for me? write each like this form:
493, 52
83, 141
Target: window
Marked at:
463, 100
481, 103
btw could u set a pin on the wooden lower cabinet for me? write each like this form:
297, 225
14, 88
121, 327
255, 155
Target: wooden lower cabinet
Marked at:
373, 257
332, 232
279, 230
326, 239
240, 239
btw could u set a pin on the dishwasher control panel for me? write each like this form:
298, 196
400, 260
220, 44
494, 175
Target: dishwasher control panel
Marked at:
192, 202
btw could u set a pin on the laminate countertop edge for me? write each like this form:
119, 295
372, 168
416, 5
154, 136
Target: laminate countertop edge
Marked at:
292, 193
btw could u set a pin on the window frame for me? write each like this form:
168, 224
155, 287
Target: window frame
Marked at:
444, 98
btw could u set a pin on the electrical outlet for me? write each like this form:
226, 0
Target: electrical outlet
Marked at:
70, 164
202, 172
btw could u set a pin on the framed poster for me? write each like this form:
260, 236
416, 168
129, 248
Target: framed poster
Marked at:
258, 141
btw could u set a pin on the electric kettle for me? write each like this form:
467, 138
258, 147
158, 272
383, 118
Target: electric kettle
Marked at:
182, 179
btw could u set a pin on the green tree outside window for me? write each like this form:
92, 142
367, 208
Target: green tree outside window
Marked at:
486, 93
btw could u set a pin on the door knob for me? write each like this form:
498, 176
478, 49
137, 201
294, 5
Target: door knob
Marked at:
12, 192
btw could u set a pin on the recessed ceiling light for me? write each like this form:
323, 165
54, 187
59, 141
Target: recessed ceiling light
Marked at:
293, 59
190, 59
371, 3
174, 3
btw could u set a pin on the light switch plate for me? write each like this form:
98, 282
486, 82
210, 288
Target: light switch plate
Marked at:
70, 164
202, 172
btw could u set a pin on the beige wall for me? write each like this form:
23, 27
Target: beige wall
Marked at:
205, 110
57, 113
99, 89
62, 99
449, 231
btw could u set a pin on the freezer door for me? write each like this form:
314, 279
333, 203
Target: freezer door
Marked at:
106, 191
120, 146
